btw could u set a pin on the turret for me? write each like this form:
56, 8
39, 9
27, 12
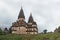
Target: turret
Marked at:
21, 14
30, 20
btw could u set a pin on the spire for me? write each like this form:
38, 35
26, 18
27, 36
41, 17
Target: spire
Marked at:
21, 14
30, 18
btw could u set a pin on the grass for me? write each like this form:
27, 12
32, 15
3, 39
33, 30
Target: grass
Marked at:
49, 36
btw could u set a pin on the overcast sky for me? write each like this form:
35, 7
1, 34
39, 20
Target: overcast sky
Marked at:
45, 12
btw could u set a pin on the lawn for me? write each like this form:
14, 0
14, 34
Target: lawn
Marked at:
49, 36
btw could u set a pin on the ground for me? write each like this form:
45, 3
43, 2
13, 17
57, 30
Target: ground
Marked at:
49, 36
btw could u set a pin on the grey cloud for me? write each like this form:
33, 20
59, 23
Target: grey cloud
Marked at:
45, 12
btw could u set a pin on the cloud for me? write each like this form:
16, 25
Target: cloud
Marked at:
45, 12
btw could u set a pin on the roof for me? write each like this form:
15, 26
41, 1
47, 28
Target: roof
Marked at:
21, 14
30, 20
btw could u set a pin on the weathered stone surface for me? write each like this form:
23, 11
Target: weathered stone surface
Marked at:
21, 27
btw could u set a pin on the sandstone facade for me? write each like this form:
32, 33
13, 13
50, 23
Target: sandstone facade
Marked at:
21, 27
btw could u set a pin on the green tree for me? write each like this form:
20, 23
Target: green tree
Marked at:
45, 31
10, 30
0, 31
59, 29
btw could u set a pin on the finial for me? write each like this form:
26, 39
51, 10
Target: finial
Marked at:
21, 6
30, 13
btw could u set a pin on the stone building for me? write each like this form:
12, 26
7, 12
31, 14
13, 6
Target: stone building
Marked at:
21, 27
6, 30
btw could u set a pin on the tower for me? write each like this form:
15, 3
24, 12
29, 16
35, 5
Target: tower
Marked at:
30, 20
21, 14
32, 26
21, 27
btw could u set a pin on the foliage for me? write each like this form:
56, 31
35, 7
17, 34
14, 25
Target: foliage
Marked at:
0, 31
45, 31
10, 30
59, 29
48, 36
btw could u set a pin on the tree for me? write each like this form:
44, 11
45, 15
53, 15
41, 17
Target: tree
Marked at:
0, 31
59, 29
10, 30
45, 31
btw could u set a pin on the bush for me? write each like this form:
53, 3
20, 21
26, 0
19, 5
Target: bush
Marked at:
0, 31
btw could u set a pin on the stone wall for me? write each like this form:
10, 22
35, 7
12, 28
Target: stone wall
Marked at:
19, 30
